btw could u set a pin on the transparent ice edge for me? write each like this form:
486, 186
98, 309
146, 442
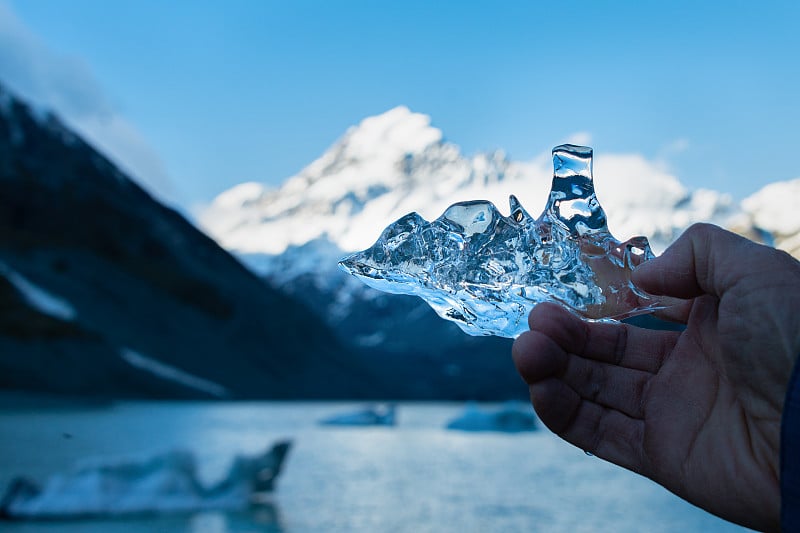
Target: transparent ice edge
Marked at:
486, 271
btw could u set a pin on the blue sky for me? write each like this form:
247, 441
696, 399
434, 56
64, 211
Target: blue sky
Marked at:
210, 94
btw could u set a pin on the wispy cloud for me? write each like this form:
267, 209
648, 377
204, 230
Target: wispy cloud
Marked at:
674, 147
66, 85
581, 138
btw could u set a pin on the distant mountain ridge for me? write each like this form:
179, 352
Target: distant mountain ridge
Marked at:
396, 163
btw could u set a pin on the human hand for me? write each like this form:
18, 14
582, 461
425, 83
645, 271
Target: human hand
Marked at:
698, 411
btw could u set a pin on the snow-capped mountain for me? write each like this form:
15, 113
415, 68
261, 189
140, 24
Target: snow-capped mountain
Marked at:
396, 163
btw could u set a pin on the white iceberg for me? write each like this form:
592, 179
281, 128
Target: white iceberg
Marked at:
161, 484
371, 415
511, 417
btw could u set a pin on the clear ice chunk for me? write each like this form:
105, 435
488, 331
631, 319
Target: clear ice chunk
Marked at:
486, 271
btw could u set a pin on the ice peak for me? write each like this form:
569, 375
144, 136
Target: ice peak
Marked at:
377, 152
486, 271
398, 131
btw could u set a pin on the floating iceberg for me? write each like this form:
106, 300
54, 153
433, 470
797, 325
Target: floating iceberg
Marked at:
372, 415
512, 417
486, 271
160, 484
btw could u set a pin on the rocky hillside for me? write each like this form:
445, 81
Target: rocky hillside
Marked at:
104, 291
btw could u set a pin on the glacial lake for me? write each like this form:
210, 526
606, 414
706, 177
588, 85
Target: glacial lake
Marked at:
416, 476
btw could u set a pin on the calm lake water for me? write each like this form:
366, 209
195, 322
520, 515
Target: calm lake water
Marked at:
416, 476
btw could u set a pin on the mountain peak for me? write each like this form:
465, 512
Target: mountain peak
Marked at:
399, 129
379, 140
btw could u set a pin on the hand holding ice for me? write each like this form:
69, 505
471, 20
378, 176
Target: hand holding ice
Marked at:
486, 271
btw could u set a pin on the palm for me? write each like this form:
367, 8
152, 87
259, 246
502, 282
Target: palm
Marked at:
697, 411
707, 425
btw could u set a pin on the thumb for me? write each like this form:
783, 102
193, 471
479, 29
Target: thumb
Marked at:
705, 259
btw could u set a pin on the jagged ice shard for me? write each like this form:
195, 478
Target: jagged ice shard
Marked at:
486, 271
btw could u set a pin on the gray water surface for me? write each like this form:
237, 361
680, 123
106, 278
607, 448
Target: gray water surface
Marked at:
416, 476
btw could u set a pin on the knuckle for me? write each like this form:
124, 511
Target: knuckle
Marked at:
702, 229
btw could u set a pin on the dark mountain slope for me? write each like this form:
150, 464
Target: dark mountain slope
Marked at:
149, 305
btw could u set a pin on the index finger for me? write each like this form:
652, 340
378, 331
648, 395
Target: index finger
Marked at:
619, 344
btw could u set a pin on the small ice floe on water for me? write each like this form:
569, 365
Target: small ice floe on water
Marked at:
161, 484
511, 417
371, 415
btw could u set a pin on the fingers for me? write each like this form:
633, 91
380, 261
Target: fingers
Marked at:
539, 357
589, 381
675, 310
599, 430
621, 389
614, 343
706, 259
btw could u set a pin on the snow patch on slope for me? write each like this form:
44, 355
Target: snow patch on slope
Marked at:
172, 373
37, 297
773, 209
241, 195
